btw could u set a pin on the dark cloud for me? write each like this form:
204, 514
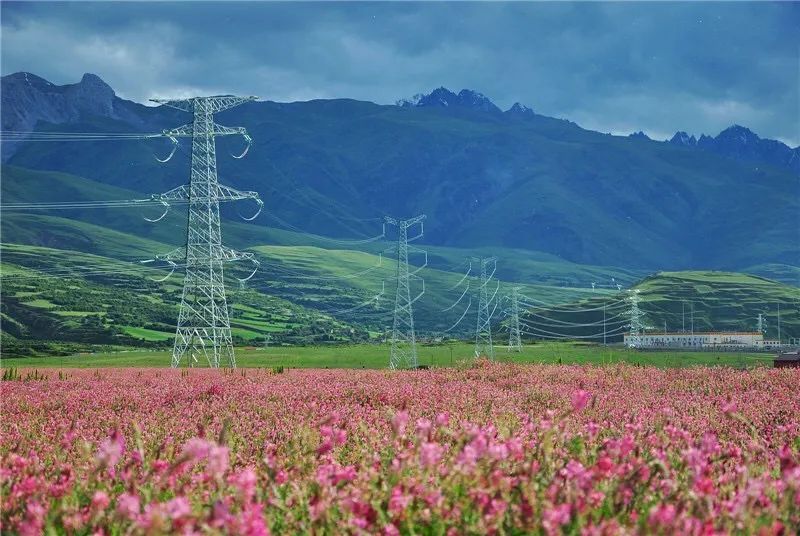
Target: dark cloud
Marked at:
617, 67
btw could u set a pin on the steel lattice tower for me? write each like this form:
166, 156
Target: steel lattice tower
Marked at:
634, 341
203, 328
514, 337
404, 344
483, 327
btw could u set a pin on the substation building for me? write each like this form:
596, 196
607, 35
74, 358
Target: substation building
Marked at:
735, 340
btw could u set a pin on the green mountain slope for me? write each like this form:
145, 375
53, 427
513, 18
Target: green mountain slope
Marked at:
141, 239
485, 180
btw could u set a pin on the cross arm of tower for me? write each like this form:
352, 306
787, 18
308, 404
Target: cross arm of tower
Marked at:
177, 254
226, 193
186, 105
230, 254
223, 102
180, 193
183, 131
222, 130
216, 103
415, 220
406, 223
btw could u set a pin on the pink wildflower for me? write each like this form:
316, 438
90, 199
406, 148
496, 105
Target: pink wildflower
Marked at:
33, 523
110, 450
244, 481
442, 419
178, 508
556, 517
430, 453
128, 506
399, 422
252, 522
729, 407
399, 501
579, 399
197, 448
281, 477
661, 516
424, 427
100, 501
217, 461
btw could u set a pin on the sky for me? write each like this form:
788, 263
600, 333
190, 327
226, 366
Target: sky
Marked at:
611, 67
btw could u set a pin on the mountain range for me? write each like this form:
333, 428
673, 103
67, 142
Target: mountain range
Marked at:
736, 141
485, 177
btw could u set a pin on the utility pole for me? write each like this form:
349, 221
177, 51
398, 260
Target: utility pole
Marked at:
692, 316
761, 324
483, 327
203, 327
683, 316
515, 337
404, 343
779, 322
634, 340
604, 323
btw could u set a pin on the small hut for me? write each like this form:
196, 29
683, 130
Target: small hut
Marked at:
787, 360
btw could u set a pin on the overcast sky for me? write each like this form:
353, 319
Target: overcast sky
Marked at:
612, 67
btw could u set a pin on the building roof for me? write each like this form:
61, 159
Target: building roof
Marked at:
680, 333
788, 356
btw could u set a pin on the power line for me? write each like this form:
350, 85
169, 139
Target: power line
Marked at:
571, 324
531, 304
560, 336
466, 289
463, 315
296, 229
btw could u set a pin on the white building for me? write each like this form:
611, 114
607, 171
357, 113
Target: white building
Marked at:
715, 339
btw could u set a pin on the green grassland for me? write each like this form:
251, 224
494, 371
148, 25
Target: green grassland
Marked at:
375, 356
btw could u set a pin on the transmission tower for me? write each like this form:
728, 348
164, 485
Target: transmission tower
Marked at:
204, 328
634, 340
514, 338
404, 343
483, 327
762, 324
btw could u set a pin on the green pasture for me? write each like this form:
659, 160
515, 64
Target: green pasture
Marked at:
376, 356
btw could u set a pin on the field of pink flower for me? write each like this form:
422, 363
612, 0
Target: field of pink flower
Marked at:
493, 449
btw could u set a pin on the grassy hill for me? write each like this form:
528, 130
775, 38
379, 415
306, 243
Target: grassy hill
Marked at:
721, 301
55, 300
706, 301
73, 277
